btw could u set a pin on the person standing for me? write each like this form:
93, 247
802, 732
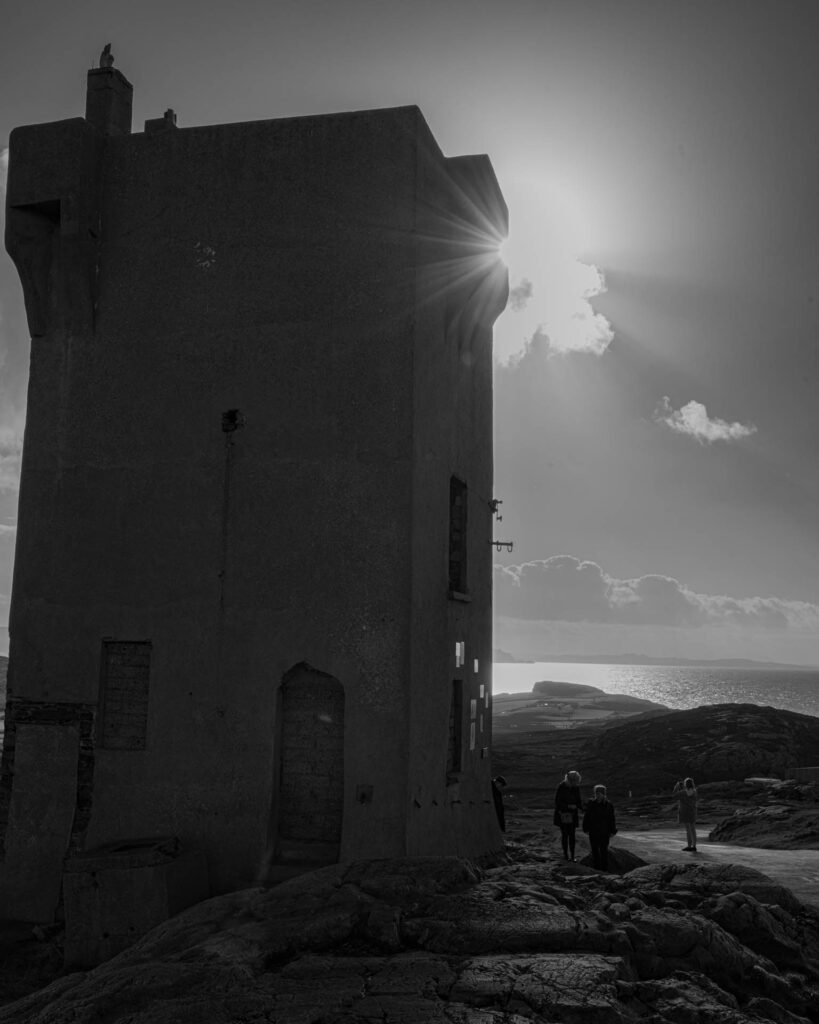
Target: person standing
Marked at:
498, 786
686, 794
568, 804
600, 826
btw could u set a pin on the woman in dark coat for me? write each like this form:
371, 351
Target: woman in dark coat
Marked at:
568, 804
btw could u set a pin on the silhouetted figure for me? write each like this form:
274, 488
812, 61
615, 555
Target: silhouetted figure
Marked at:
600, 826
106, 57
686, 794
498, 786
568, 804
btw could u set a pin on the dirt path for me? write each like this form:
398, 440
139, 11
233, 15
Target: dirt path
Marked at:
796, 869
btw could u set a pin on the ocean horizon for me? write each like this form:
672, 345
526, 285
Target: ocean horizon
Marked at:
676, 686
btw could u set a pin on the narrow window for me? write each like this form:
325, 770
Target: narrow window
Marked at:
124, 694
457, 535
456, 729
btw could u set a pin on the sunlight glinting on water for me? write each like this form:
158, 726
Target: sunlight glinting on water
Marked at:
676, 687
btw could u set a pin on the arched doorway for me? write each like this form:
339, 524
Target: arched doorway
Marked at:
311, 778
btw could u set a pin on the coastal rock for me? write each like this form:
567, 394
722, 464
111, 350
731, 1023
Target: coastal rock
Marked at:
411, 942
675, 999
689, 883
580, 989
784, 815
711, 744
552, 688
766, 930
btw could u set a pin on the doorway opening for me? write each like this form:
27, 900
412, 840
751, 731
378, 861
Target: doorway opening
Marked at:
311, 767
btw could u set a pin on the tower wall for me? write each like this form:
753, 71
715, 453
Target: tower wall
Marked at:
228, 463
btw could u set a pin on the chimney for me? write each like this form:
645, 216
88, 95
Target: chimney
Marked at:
108, 101
161, 124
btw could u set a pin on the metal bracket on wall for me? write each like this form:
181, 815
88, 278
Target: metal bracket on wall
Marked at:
232, 419
500, 544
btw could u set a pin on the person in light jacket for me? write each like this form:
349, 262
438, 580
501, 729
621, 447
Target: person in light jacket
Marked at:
600, 826
686, 794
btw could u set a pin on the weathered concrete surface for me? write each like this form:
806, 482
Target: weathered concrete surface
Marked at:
411, 941
113, 896
41, 814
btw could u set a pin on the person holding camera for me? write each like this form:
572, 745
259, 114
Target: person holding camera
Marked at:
686, 794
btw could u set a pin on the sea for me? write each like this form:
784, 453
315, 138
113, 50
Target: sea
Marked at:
677, 687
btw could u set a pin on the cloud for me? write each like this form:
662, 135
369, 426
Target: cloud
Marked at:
693, 419
563, 588
4, 169
7, 531
555, 312
572, 325
11, 453
519, 295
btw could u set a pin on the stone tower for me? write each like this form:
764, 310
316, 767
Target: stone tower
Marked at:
252, 592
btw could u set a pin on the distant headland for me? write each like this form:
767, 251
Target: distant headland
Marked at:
504, 657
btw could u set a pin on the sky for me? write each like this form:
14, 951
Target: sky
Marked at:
656, 421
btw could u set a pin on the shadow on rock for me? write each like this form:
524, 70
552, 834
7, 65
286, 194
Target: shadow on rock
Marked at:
618, 862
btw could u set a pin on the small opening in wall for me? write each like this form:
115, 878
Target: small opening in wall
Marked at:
457, 536
454, 756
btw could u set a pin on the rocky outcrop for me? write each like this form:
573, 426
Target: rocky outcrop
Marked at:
553, 688
784, 815
710, 744
443, 941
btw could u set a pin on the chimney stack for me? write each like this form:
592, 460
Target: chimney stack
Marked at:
109, 97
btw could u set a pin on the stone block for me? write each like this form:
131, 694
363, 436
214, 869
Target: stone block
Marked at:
116, 893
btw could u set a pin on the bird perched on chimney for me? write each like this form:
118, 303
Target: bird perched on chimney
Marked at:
106, 57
